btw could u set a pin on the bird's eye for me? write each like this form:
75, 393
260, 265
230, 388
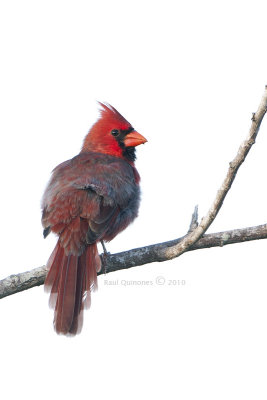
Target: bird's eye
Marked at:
115, 132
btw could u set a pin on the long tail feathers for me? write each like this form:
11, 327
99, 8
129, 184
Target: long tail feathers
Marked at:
70, 280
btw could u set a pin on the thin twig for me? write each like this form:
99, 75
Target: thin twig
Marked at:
194, 220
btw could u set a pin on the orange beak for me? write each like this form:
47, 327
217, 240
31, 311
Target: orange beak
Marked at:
134, 139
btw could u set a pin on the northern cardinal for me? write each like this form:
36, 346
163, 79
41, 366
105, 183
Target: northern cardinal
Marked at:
90, 198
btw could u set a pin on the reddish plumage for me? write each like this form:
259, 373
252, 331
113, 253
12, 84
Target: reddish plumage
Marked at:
89, 198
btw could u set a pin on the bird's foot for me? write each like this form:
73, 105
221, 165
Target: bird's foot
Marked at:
104, 257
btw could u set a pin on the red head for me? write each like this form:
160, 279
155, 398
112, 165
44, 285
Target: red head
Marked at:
113, 135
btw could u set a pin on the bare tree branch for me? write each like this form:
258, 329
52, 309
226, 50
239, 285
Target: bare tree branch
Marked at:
192, 237
166, 251
160, 252
26, 280
135, 257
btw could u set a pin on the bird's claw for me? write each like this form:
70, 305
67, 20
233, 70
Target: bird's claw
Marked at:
104, 257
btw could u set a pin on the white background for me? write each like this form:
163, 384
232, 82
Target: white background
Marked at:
187, 75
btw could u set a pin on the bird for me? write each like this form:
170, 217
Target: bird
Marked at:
90, 198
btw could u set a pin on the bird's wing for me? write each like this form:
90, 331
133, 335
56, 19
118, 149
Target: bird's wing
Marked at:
84, 196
